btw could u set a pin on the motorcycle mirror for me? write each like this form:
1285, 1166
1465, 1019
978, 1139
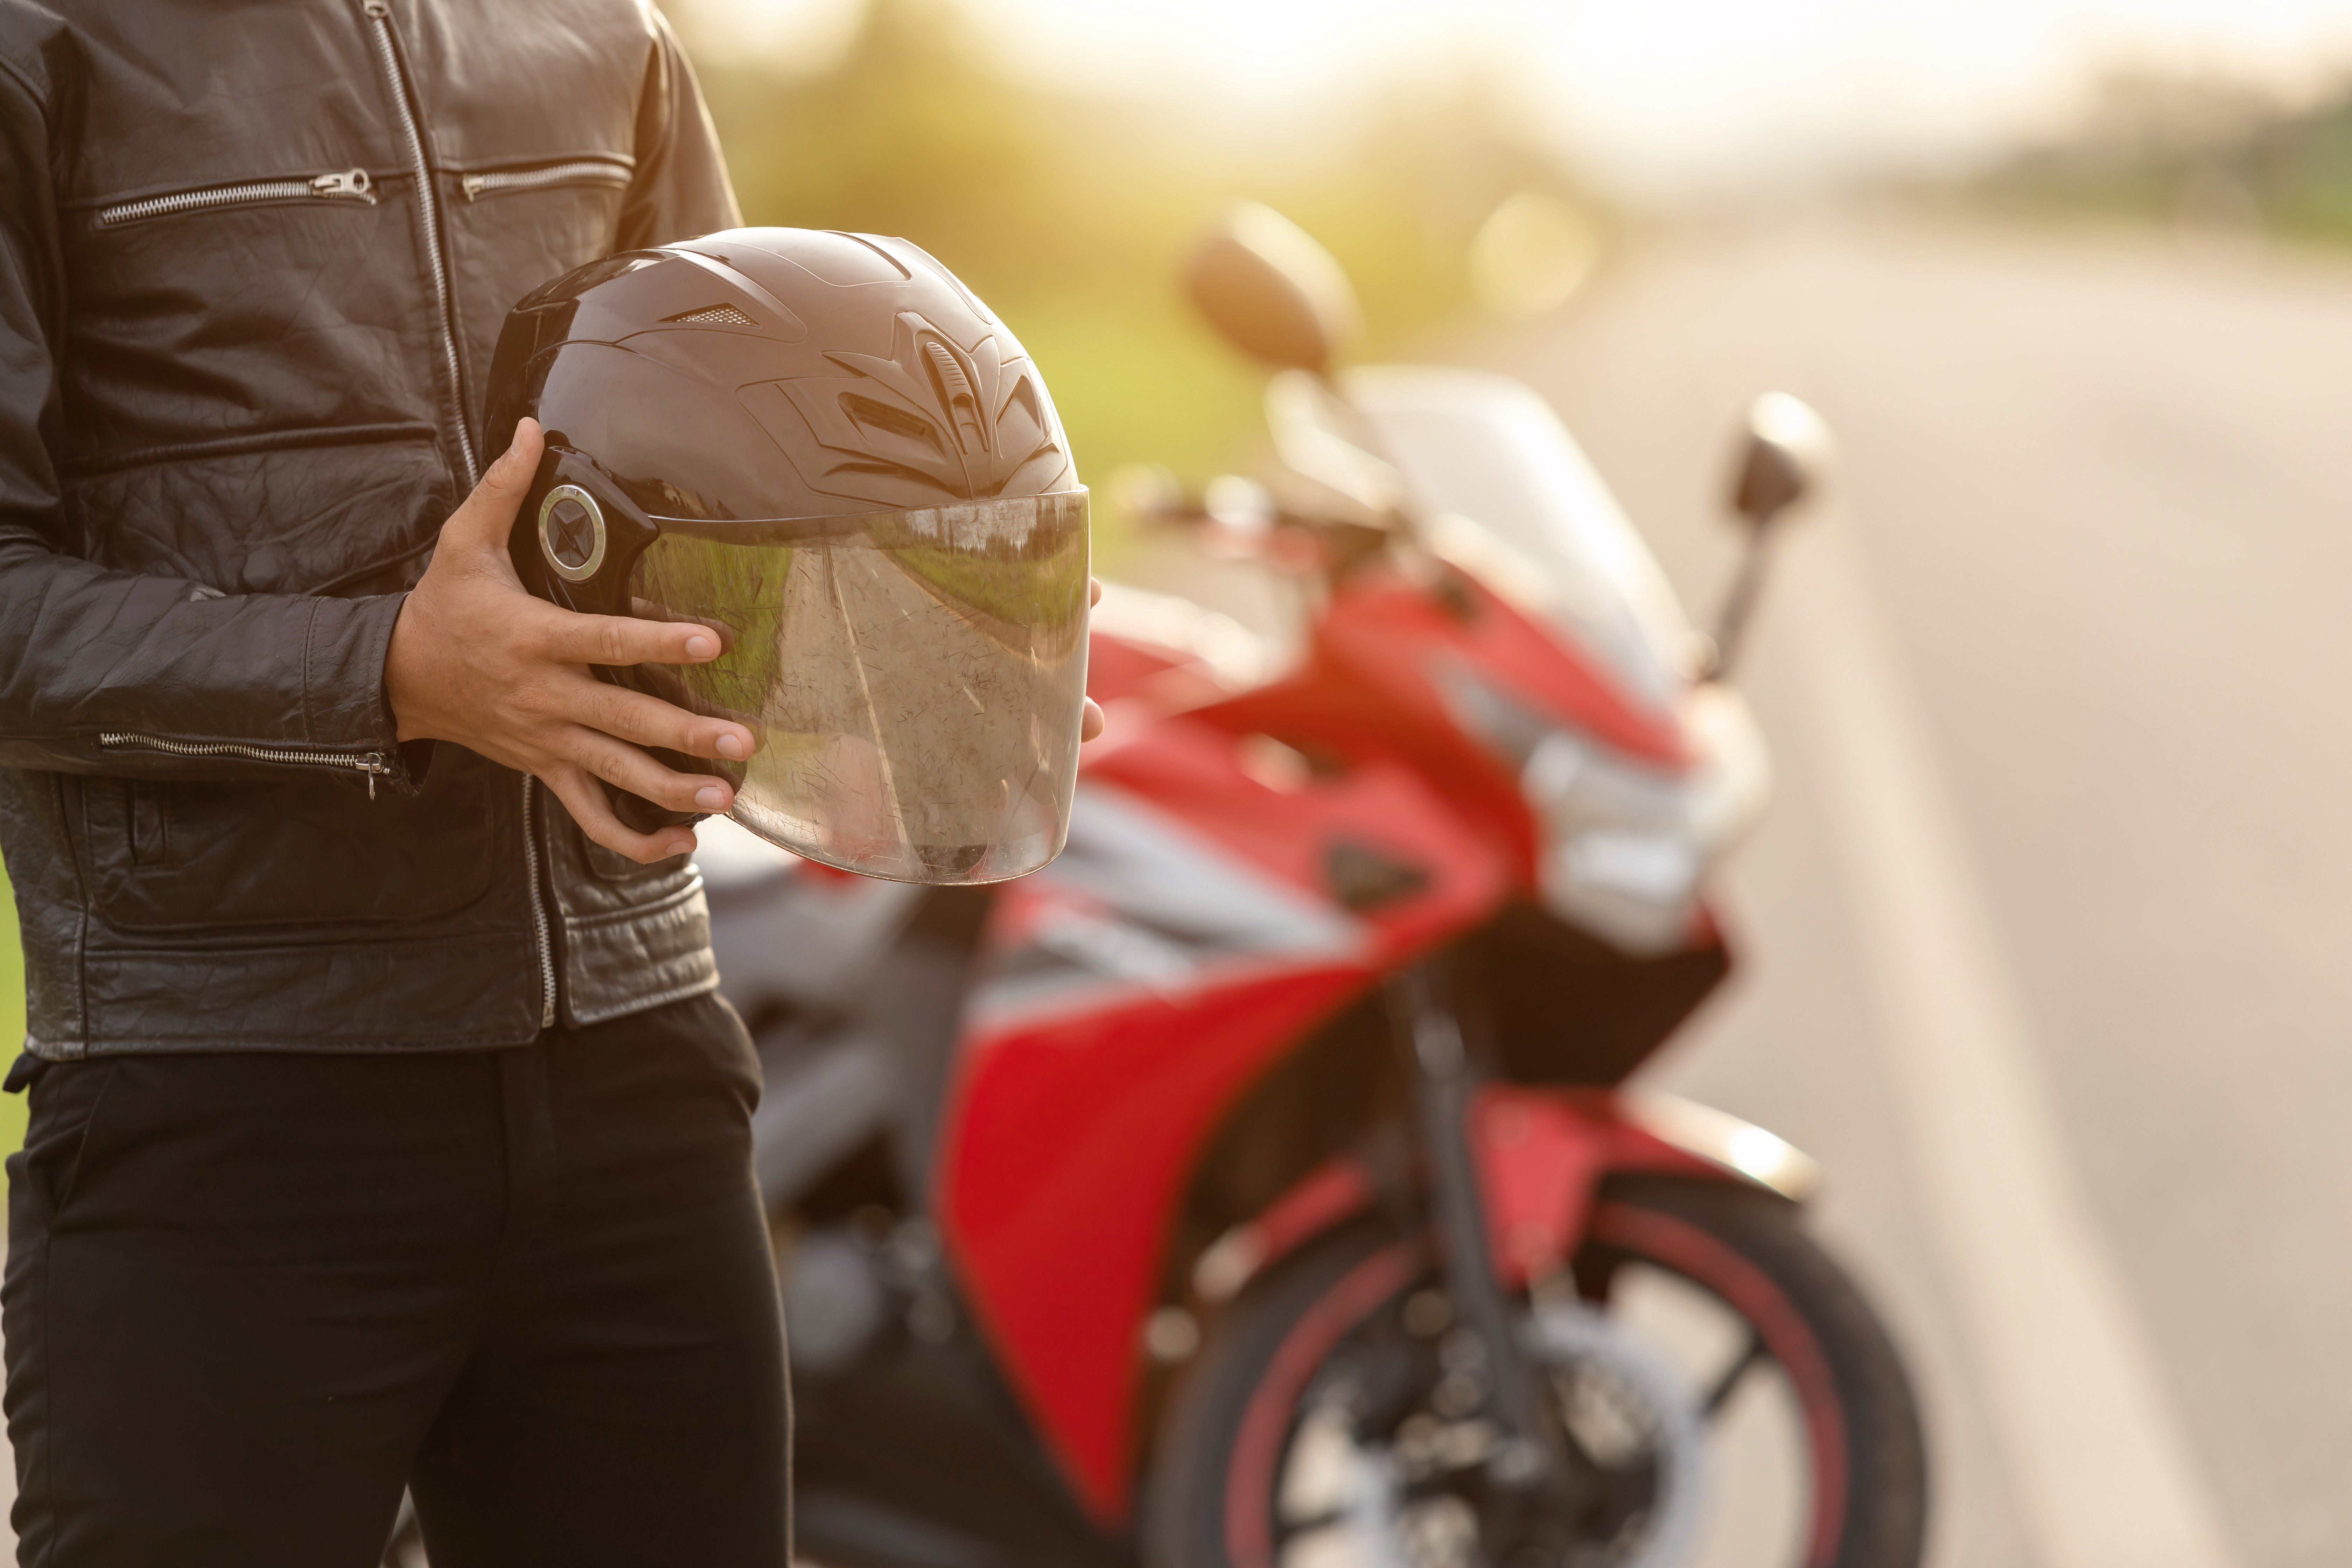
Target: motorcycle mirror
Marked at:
1788, 449
1271, 291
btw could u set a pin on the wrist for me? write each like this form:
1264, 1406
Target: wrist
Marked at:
397, 691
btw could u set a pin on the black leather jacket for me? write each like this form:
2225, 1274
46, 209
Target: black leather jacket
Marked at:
253, 260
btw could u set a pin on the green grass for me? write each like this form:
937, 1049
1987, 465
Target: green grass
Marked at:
1137, 379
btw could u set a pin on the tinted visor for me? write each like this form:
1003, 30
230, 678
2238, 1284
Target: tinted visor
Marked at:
915, 678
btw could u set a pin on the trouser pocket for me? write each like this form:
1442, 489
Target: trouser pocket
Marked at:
65, 1099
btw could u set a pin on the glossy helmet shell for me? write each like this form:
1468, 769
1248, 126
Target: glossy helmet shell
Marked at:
721, 388
772, 373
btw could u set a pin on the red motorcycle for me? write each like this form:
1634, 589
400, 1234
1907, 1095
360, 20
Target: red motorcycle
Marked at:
1257, 1187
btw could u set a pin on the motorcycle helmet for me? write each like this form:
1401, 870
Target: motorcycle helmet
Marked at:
827, 447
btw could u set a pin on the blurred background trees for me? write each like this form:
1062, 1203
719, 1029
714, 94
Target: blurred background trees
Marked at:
1070, 212
2206, 151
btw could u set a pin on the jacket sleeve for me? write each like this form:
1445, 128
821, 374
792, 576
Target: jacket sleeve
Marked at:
680, 188
113, 672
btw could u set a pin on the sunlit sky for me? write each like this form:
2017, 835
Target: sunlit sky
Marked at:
1661, 97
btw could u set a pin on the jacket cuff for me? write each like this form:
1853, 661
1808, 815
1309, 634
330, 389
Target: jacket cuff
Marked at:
344, 700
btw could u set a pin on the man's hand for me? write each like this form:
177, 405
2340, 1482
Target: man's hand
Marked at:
1090, 720
477, 659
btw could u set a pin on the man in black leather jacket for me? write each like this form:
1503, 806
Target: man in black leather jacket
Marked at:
384, 1129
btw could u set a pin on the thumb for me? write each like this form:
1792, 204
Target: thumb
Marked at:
486, 517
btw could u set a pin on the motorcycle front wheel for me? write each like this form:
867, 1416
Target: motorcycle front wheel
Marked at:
1723, 1394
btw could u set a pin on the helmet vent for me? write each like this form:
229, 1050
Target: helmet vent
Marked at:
880, 420
711, 316
955, 391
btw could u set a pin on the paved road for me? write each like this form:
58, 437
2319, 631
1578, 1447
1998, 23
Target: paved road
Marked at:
2095, 533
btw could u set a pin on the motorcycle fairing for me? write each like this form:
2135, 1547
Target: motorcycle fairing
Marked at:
1069, 1148
1192, 768
1390, 635
1085, 1096
1140, 898
1399, 634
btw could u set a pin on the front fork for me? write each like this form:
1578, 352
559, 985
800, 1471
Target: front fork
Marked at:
1534, 1454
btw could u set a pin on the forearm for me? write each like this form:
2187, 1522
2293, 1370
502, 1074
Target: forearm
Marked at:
115, 673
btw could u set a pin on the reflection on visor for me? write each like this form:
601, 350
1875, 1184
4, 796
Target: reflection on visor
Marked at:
914, 678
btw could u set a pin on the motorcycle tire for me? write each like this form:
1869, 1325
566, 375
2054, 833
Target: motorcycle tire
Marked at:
1231, 1422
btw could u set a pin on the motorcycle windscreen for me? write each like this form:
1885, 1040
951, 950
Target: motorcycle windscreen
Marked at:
914, 681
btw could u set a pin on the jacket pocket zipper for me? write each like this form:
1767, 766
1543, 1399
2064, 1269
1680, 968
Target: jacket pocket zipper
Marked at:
580, 172
351, 185
371, 764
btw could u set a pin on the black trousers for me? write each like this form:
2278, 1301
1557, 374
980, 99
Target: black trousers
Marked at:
248, 1298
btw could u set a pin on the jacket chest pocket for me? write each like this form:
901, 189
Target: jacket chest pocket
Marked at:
350, 185
179, 854
607, 173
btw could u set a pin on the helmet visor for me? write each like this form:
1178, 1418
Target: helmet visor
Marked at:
914, 680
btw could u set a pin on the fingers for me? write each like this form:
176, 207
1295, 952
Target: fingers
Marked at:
1094, 591
570, 639
668, 686
618, 763
1090, 721
486, 517
584, 799
648, 720
647, 610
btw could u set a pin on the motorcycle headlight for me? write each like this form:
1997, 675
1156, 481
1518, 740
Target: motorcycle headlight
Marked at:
1625, 844
1622, 844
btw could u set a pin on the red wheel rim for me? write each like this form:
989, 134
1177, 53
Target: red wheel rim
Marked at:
1265, 1421
1646, 1234
1705, 1261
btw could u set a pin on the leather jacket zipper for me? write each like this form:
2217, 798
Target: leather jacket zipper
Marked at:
428, 208
580, 172
351, 184
538, 906
372, 763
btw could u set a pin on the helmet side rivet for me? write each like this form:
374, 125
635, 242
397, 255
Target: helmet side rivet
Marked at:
572, 533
